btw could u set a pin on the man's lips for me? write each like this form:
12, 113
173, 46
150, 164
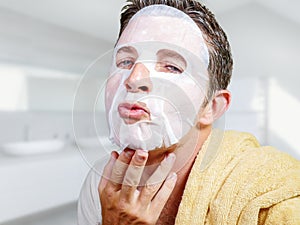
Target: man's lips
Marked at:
134, 111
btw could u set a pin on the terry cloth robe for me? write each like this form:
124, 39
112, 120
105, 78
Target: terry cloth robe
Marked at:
241, 183
234, 181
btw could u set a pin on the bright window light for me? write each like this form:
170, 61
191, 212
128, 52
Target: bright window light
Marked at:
16, 82
284, 111
13, 89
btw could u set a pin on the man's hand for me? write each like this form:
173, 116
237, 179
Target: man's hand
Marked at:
122, 201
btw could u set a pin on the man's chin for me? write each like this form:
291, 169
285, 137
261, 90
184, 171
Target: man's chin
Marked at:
130, 121
162, 149
143, 135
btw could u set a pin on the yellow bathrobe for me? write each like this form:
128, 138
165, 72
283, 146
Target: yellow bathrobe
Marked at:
235, 181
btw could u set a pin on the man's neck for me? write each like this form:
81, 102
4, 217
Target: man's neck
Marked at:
186, 150
183, 167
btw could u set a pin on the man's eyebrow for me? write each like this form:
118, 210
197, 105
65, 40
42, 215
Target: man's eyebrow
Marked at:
172, 54
126, 49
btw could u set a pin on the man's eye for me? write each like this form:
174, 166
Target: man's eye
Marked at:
125, 64
167, 67
173, 69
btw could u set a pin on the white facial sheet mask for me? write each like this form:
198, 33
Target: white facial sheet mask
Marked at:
174, 99
165, 23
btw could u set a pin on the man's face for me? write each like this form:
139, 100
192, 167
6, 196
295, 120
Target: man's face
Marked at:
157, 84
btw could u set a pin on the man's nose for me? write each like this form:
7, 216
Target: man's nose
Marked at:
139, 79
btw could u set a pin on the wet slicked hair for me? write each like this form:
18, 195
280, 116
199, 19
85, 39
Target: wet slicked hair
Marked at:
220, 59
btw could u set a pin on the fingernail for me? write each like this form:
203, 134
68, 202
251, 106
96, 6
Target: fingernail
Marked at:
113, 155
129, 154
141, 155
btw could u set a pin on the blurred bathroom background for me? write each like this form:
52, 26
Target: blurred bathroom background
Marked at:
47, 46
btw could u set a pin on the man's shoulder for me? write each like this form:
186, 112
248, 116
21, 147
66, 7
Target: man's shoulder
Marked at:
285, 212
245, 144
240, 158
247, 177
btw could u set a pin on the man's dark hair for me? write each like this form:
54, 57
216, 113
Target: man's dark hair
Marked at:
220, 59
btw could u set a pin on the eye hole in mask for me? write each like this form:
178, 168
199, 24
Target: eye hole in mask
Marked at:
168, 61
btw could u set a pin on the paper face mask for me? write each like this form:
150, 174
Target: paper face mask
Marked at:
157, 84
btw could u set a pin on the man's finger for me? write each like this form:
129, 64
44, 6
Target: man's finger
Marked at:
107, 171
164, 193
157, 178
119, 169
133, 174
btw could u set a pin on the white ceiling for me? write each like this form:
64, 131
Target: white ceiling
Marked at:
94, 17
100, 18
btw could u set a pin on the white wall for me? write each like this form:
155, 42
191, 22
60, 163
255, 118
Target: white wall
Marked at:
29, 41
266, 50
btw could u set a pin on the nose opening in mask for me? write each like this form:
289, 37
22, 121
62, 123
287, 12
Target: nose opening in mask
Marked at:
139, 79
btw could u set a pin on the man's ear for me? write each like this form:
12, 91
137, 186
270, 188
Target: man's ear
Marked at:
215, 108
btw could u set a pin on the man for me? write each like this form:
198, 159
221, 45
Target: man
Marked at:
171, 67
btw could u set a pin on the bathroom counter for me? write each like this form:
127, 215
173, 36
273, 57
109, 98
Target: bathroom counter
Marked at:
36, 183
